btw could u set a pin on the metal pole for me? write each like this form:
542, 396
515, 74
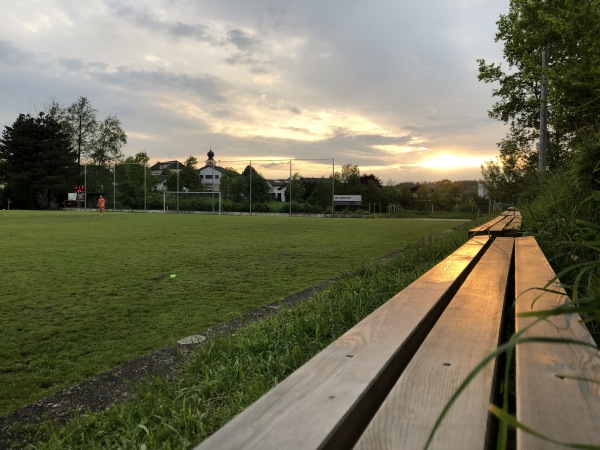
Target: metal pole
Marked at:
544, 111
213, 186
177, 187
290, 186
250, 187
115, 186
333, 186
85, 189
145, 187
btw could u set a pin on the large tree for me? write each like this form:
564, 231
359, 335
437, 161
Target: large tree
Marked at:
130, 178
348, 182
260, 186
570, 31
109, 139
81, 117
37, 160
99, 142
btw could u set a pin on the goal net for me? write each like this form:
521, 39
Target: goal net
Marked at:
177, 201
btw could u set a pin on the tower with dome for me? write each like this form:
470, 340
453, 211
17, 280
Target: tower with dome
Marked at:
210, 175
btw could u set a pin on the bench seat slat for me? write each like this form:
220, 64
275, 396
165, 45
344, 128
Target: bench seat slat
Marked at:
551, 397
468, 330
324, 392
498, 228
483, 229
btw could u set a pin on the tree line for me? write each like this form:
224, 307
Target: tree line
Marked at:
568, 32
308, 194
41, 154
44, 155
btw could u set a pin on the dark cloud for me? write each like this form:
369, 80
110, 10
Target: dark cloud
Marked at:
243, 41
175, 29
10, 55
205, 87
197, 31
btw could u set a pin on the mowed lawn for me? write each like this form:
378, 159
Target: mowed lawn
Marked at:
82, 293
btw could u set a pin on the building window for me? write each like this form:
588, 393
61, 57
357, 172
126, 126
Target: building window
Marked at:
209, 177
216, 177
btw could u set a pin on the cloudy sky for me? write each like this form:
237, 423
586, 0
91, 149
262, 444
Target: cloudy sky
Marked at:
388, 85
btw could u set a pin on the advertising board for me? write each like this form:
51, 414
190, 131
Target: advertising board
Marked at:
347, 200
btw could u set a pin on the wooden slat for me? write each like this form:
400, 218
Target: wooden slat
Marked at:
515, 224
499, 228
552, 397
468, 331
514, 228
483, 229
326, 401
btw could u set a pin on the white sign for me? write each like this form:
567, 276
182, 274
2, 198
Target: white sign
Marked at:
72, 196
348, 200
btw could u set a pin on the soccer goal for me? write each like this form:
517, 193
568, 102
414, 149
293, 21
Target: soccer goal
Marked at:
192, 201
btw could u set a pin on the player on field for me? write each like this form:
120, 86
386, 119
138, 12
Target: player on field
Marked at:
101, 205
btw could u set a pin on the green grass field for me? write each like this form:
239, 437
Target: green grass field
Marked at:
83, 293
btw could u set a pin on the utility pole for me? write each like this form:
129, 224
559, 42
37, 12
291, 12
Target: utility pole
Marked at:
544, 112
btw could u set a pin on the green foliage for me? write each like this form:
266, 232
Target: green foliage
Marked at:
100, 142
109, 139
570, 30
130, 176
255, 185
566, 223
80, 120
296, 188
37, 162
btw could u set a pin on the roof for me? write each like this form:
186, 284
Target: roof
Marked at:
277, 182
166, 165
210, 166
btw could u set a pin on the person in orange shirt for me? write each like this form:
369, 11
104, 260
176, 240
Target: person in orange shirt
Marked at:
101, 205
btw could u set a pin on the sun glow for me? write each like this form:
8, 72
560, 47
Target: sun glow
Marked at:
446, 161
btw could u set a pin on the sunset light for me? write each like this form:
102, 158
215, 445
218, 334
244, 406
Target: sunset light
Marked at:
447, 161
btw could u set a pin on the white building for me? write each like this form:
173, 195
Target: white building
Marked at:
159, 169
277, 188
211, 174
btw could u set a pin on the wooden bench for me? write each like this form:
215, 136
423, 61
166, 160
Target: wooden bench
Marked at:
506, 224
385, 381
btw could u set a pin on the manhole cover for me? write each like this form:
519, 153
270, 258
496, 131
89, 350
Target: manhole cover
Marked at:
195, 339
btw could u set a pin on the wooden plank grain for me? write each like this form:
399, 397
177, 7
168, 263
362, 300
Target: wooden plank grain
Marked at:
515, 224
468, 331
498, 228
552, 396
483, 229
316, 405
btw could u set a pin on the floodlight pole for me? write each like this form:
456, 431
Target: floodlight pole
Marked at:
177, 187
290, 186
145, 188
250, 187
115, 186
85, 190
544, 111
332, 186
